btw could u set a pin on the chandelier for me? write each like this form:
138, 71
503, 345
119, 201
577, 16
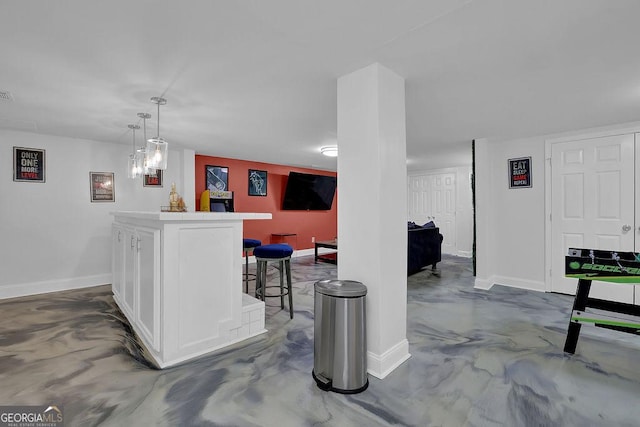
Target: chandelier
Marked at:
142, 151
157, 148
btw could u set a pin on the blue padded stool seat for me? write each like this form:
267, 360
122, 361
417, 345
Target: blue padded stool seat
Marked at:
248, 245
277, 252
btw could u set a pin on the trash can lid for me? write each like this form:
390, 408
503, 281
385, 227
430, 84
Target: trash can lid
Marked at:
341, 288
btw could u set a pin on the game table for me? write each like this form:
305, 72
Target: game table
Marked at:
605, 266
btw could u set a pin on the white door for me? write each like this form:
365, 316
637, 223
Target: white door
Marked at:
592, 205
419, 199
443, 209
636, 296
432, 197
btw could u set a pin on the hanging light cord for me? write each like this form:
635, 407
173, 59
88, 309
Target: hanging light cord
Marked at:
133, 129
144, 117
160, 101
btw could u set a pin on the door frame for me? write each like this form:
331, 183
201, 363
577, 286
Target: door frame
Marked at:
548, 143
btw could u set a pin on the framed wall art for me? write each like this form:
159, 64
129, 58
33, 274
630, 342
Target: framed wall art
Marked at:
520, 172
217, 178
153, 180
257, 182
28, 164
102, 187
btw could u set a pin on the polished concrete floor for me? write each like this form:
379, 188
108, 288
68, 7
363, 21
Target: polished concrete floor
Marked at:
479, 358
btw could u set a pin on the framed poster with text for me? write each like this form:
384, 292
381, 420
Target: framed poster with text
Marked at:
102, 187
153, 180
520, 172
28, 164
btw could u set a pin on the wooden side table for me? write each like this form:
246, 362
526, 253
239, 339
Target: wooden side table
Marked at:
331, 244
282, 238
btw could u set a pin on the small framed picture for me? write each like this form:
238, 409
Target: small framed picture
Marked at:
153, 180
257, 182
217, 178
102, 187
28, 164
520, 172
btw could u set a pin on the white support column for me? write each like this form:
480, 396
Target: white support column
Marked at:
372, 207
188, 179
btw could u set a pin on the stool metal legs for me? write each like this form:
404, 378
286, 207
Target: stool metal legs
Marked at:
284, 267
247, 276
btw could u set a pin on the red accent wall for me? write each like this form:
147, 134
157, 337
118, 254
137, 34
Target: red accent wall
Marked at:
323, 225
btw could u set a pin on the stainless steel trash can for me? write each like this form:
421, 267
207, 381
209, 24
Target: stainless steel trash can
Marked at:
339, 336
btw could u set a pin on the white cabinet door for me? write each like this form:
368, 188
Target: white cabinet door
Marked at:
147, 313
117, 260
129, 283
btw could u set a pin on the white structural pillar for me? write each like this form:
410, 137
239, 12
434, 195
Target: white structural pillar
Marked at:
188, 178
372, 207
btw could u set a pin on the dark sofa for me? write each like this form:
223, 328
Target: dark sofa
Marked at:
424, 247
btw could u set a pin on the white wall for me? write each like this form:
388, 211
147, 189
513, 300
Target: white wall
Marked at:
512, 223
464, 207
53, 237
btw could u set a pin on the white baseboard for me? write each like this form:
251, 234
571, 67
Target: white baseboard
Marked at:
484, 284
46, 286
381, 365
513, 282
465, 254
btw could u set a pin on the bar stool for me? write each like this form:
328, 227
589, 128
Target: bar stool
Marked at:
248, 245
281, 253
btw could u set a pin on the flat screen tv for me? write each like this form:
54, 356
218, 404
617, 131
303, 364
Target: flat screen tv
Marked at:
309, 192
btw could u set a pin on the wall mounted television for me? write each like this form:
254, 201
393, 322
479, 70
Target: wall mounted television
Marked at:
309, 192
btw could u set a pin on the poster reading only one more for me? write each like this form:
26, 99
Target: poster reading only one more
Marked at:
28, 164
102, 188
520, 172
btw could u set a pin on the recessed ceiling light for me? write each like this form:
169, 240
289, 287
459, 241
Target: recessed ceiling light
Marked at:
330, 150
6, 95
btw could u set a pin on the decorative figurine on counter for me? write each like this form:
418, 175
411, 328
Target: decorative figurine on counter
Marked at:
176, 203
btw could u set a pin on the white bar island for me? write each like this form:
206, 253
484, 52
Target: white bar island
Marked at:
177, 277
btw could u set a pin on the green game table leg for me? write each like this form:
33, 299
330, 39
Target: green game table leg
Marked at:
579, 303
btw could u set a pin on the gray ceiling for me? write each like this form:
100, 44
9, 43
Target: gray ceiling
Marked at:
257, 79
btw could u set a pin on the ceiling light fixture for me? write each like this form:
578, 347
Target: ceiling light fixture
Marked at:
134, 169
157, 148
330, 150
143, 150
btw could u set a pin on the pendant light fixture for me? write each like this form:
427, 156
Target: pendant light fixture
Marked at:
134, 170
157, 148
141, 152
